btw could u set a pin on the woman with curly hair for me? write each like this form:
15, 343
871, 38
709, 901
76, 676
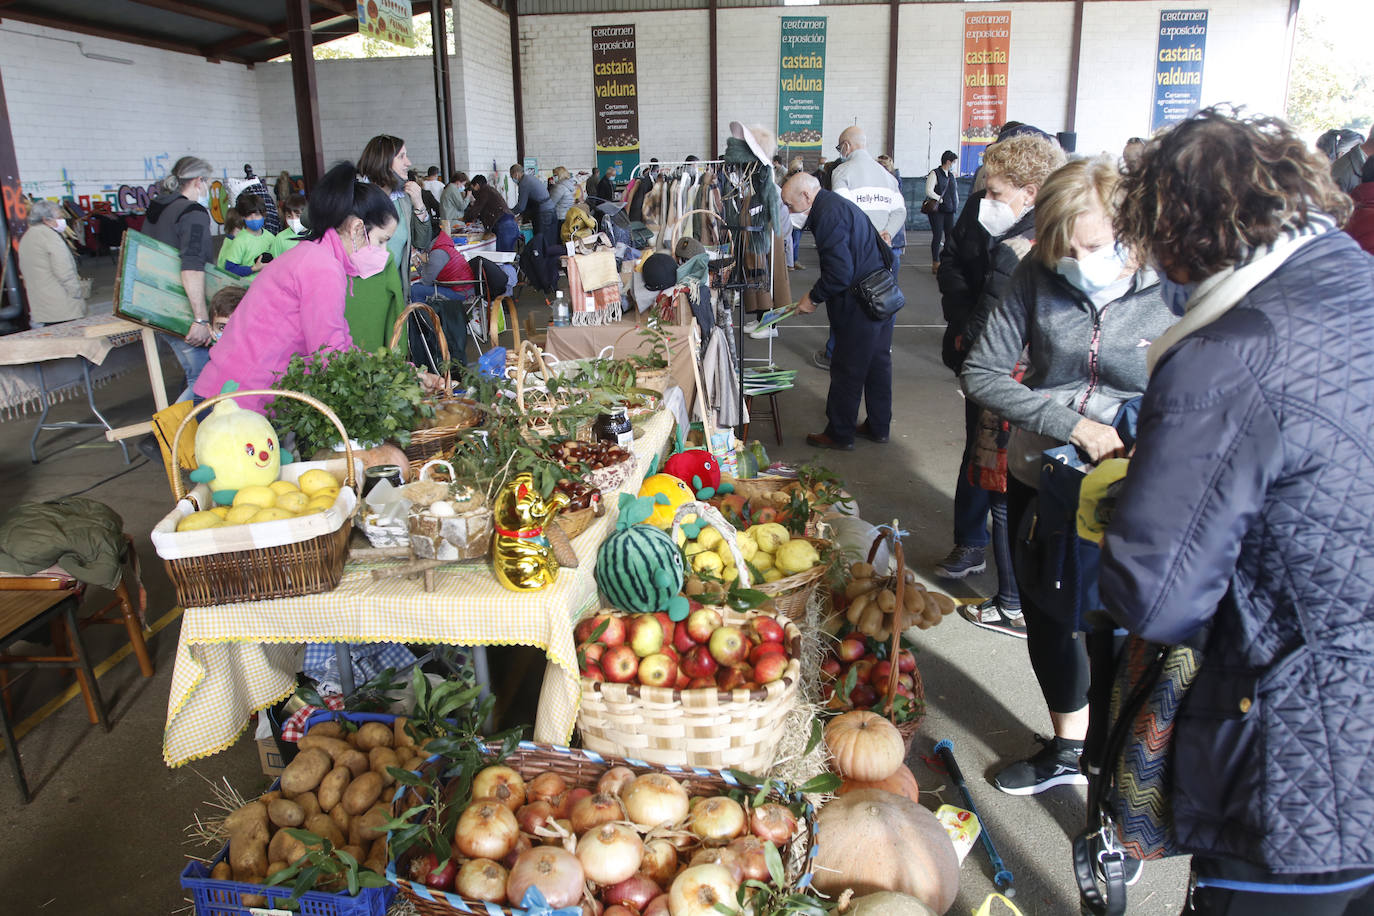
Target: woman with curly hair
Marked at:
1245, 525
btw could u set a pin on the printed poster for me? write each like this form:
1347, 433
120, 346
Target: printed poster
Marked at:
387, 20
615, 84
987, 56
148, 288
801, 88
1178, 66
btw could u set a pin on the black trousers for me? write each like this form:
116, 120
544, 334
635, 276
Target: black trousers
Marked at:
860, 370
941, 224
1218, 902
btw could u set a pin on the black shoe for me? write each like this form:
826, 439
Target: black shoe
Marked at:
1056, 764
962, 561
821, 440
820, 360
149, 447
867, 432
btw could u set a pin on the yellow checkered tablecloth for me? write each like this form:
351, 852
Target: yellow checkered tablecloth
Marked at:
235, 659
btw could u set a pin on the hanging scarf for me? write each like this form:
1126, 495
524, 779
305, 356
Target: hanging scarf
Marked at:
1220, 292
738, 153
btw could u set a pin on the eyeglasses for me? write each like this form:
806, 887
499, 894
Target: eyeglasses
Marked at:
839, 147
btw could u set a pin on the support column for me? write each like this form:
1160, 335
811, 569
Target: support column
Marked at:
13, 220
894, 21
443, 104
715, 81
1071, 106
513, 13
301, 42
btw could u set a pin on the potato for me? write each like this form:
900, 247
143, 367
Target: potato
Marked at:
401, 738
285, 848
285, 813
275, 867
379, 759
309, 802
305, 772
944, 602
332, 787
331, 746
254, 899
362, 793
375, 734
861, 571
323, 826
860, 587
355, 760
331, 729
371, 825
222, 871
355, 851
340, 817
378, 850
377, 865
887, 600
247, 857
249, 822
268, 797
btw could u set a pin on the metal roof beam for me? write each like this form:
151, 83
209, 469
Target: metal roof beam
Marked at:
99, 30
195, 11
276, 31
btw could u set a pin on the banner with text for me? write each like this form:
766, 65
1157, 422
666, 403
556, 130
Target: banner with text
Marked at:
987, 54
801, 88
616, 87
1178, 66
387, 20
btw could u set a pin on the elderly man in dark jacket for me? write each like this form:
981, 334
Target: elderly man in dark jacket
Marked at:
861, 369
1246, 523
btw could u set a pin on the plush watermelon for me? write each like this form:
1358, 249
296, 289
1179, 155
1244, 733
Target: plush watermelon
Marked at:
639, 567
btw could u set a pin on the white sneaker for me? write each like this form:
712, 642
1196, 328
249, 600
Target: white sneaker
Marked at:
764, 334
751, 326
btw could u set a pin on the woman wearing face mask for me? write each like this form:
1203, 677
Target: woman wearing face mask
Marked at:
563, 193
1081, 308
385, 163
242, 255
56, 293
298, 306
455, 198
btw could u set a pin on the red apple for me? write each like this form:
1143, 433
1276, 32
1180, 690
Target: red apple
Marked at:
682, 640
907, 681
851, 649
728, 645
592, 652
699, 682
645, 634
658, 670
667, 623
592, 672
770, 668
422, 867
766, 648
764, 629
672, 653
702, 624
683, 681
863, 696
863, 669
612, 635
906, 661
584, 629
880, 672
730, 677
620, 664
831, 667
698, 663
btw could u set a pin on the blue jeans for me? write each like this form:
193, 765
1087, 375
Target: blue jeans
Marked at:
192, 359
507, 231
971, 503
796, 246
830, 341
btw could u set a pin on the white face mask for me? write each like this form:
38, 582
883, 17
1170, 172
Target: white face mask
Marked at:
204, 198
799, 219
61, 225
1095, 271
296, 225
996, 217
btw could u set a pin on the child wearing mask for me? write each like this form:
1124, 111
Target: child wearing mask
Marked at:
222, 305
292, 209
243, 254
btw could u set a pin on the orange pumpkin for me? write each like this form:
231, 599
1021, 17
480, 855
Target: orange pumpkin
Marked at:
902, 782
866, 746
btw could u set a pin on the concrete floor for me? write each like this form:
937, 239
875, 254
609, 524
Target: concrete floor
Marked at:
108, 801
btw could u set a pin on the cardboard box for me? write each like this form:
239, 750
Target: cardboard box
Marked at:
270, 757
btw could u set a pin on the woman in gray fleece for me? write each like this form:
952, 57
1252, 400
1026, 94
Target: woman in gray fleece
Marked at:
1084, 313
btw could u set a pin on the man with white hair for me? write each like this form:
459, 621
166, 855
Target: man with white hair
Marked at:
55, 291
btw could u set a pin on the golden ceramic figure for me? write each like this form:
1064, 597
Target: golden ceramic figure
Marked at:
523, 558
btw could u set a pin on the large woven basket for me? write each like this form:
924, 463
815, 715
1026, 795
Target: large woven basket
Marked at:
751, 487
426, 443
908, 728
791, 594
581, 769
703, 727
305, 567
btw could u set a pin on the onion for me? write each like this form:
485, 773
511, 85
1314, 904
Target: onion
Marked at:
521, 844
552, 869
725, 858
481, 879
618, 910
570, 800
556, 839
750, 850
534, 815
545, 787
500, 783
655, 799
717, 820
660, 862
658, 906
487, 830
610, 854
595, 810
614, 780
591, 906
635, 892
773, 823
698, 889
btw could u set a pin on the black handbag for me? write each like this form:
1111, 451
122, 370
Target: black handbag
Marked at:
878, 293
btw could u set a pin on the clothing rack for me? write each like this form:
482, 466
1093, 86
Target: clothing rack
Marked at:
638, 170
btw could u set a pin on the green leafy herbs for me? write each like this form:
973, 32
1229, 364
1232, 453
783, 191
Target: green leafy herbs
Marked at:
324, 866
652, 332
376, 395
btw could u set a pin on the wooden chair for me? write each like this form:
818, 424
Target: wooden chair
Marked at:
773, 415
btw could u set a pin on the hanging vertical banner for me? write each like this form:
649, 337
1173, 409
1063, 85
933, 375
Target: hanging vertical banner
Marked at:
615, 83
801, 87
387, 20
987, 55
1178, 66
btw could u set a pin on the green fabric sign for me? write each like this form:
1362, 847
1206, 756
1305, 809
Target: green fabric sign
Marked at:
801, 84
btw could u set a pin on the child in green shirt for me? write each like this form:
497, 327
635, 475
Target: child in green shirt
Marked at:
292, 209
243, 254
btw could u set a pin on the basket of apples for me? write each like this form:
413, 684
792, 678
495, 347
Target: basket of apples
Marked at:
712, 690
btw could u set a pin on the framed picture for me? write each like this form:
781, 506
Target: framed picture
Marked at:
148, 288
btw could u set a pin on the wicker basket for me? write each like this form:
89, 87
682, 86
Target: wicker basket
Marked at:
752, 487
426, 443
908, 728
702, 727
453, 538
791, 594
577, 521
709, 514
581, 769
653, 379
304, 567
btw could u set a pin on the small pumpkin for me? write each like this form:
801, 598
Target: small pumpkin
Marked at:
887, 903
866, 746
902, 782
875, 841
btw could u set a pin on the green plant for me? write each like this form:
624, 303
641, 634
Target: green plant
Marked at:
323, 864
652, 331
376, 395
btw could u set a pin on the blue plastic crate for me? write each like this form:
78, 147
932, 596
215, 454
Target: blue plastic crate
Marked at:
225, 898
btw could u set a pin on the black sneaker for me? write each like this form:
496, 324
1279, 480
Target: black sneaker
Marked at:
820, 360
1056, 764
961, 561
990, 615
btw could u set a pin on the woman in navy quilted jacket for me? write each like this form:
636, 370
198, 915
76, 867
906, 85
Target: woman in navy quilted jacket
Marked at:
1246, 524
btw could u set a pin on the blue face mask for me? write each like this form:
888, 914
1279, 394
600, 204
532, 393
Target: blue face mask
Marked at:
1175, 295
255, 223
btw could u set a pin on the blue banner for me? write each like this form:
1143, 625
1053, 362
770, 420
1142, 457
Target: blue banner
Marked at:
1178, 66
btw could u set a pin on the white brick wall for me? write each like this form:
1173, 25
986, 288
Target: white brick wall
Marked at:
84, 128
486, 119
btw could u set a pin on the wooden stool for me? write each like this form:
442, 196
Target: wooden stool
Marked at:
774, 414
22, 612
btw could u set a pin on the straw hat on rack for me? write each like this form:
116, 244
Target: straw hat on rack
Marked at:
760, 139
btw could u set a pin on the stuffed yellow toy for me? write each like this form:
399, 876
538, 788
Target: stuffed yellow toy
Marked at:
236, 448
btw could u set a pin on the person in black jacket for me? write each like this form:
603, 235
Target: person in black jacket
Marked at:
861, 369
1245, 524
941, 188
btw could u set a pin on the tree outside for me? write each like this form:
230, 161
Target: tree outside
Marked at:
1331, 83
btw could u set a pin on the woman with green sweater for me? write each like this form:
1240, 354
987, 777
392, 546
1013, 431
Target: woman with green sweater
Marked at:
384, 162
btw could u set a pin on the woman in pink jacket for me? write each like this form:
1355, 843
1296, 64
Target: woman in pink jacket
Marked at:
297, 303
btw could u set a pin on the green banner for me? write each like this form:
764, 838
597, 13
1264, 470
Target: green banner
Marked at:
801, 86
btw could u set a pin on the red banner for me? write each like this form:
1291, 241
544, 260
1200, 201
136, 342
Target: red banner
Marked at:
987, 57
